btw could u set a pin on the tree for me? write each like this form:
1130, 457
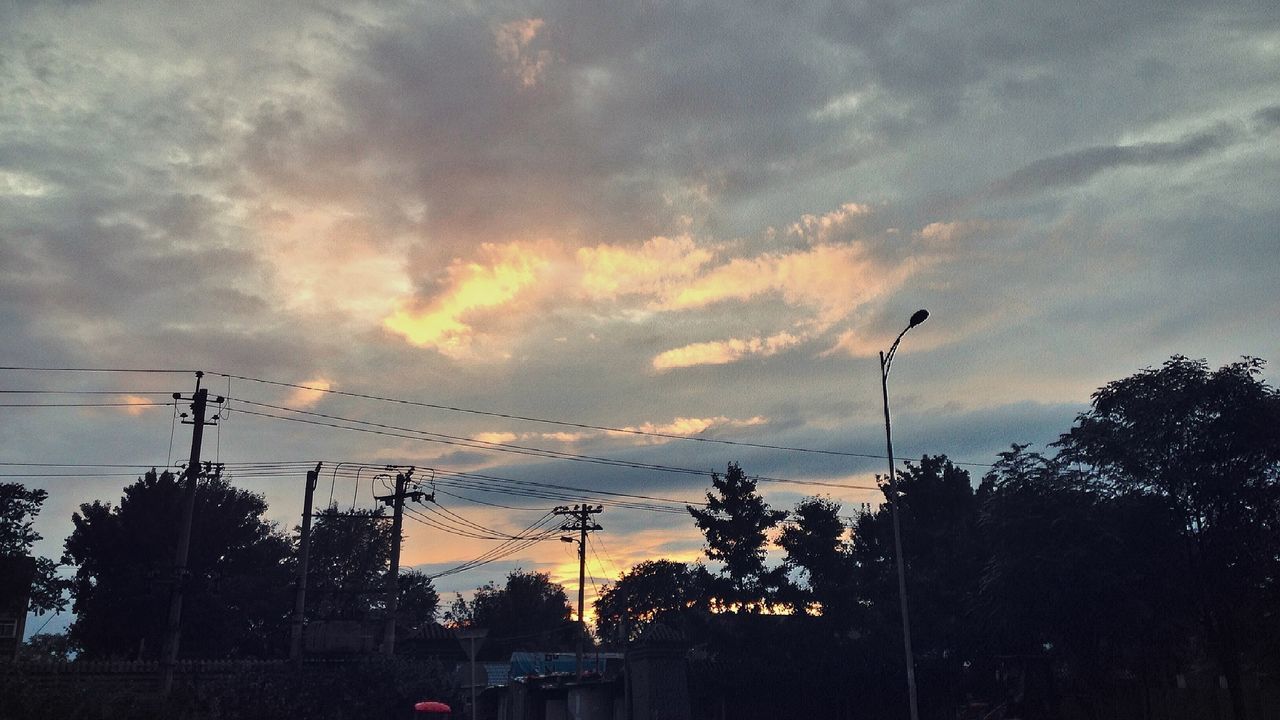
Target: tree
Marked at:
237, 589
663, 591
815, 547
45, 647
938, 512
418, 600
1205, 444
18, 510
528, 612
349, 557
736, 523
1076, 576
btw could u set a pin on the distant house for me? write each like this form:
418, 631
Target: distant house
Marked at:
16, 575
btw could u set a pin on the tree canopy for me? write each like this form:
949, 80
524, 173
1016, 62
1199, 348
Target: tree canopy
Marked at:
736, 522
529, 611
238, 576
1203, 445
653, 591
19, 507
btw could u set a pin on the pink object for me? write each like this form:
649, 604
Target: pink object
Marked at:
431, 706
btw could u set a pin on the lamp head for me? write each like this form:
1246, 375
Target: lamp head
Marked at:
919, 317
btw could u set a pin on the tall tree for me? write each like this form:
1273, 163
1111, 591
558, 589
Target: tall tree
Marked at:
938, 512
18, 510
349, 557
663, 591
528, 612
418, 601
815, 547
238, 577
736, 522
1205, 443
1079, 577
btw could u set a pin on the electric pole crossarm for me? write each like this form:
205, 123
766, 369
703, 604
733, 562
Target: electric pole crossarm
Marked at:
396, 501
304, 553
173, 624
582, 524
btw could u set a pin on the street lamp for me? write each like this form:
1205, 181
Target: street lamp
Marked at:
886, 361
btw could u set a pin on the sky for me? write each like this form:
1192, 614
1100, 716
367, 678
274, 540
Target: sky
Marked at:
688, 219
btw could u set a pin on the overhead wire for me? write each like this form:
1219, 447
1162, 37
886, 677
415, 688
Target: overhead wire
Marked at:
547, 421
473, 411
458, 441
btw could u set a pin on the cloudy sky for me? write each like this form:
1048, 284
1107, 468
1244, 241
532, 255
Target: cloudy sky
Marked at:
692, 219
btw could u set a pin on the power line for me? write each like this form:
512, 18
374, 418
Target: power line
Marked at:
96, 370
85, 392
487, 413
138, 405
561, 423
428, 436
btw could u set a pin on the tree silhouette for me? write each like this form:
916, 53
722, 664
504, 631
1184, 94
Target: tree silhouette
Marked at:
238, 582
1205, 444
663, 591
815, 547
18, 510
349, 557
528, 612
736, 523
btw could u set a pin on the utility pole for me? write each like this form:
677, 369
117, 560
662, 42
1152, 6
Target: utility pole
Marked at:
581, 524
304, 553
173, 627
396, 501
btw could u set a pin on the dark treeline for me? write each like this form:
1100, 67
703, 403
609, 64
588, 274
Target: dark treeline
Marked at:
1142, 546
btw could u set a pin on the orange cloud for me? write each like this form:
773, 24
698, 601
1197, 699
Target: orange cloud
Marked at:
721, 352
610, 271
692, 426
472, 286
495, 437
305, 397
834, 279
136, 404
822, 228
514, 40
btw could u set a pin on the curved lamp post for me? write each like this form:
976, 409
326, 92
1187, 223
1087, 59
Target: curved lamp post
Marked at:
886, 361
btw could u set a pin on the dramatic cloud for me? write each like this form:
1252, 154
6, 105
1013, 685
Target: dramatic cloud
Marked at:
695, 220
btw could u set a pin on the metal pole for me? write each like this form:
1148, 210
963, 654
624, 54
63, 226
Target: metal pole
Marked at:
582, 578
473, 678
173, 627
304, 554
897, 542
393, 573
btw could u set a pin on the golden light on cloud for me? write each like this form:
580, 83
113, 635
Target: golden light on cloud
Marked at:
514, 40
833, 279
472, 286
684, 426
330, 262
722, 352
821, 228
136, 404
495, 437
486, 303
305, 397
610, 271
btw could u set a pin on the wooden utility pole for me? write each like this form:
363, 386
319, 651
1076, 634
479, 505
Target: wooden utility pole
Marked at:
396, 501
173, 627
304, 553
581, 524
